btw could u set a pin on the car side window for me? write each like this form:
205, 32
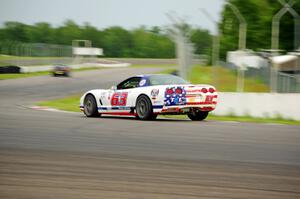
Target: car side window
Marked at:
129, 83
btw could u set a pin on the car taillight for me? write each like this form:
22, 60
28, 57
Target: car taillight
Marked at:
204, 90
178, 91
211, 90
169, 91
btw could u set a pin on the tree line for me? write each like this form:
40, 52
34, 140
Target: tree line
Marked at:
116, 41
154, 42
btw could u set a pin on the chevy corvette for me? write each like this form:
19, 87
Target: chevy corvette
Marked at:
146, 96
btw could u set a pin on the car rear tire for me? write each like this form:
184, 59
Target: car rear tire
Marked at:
154, 116
90, 107
197, 115
144, 108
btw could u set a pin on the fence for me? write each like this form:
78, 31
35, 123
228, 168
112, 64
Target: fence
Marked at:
34, 49
286, 83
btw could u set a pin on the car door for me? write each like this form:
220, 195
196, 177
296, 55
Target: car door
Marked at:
121, 98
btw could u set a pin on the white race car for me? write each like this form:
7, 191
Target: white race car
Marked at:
146, 96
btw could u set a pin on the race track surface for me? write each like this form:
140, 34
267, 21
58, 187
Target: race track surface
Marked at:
66, 155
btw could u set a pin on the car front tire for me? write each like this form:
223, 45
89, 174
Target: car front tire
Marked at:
90, 107
197, 115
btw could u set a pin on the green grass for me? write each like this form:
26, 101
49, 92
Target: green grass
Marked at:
71, 103
213, 117
152, 66
225, 79
167, 71
22, 75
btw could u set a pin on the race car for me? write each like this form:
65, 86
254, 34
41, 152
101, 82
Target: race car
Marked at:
61, 70
146, 96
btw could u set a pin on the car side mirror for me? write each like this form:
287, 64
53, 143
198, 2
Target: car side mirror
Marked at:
113, 88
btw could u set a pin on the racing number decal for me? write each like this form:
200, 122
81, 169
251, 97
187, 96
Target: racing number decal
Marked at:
209, 99
119, 99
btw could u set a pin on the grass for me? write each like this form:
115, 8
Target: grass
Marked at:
167, 71
22, 75
153, 66
71, 103
213, 117
224, 79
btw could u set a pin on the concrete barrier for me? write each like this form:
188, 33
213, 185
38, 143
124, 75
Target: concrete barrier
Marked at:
269, 105
31, 69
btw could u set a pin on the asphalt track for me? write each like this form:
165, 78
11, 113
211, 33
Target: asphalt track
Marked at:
66, 155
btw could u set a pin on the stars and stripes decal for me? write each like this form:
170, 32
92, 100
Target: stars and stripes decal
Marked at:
175, 96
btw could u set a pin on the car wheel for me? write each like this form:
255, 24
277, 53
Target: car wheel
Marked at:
153, 117
144, 108
197, 115
90, 106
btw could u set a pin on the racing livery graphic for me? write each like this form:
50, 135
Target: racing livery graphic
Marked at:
175, 96
119, 99
146, 96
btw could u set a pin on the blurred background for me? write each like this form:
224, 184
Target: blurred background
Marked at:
250, 46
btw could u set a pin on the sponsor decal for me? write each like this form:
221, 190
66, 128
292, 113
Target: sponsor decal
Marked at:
175, 96
103, 95
142, 82
119, 99
154, 92
158, 102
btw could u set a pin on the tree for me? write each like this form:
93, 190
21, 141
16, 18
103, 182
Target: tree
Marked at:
41, 33
91, 33
117, 42
15, 31
67, 33
202, 41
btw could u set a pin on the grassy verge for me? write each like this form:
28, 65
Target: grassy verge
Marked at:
167, 71
22, 75
225, 78
242, 119
71, 103
153, 66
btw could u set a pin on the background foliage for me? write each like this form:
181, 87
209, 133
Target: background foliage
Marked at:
258, 14
153, 42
